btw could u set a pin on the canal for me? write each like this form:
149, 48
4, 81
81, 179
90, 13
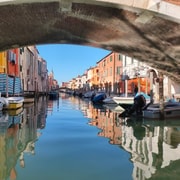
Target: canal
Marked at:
70, 139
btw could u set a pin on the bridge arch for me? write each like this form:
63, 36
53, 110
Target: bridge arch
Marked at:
146, 31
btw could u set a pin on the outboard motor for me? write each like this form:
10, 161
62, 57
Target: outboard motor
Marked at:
137, 107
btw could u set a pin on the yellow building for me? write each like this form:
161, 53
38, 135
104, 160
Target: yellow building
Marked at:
3, 62
95, 77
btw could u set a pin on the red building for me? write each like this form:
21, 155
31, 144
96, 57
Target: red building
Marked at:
13, 63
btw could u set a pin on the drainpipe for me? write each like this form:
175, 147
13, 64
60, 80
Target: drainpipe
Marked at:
113, 83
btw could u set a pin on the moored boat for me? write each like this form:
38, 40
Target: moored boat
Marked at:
14, 102
128, 101
99, 97
124, 101
109, 100
171, 110
53, 95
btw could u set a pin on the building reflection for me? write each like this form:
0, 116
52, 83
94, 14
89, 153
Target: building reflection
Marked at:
153, 146
18, 133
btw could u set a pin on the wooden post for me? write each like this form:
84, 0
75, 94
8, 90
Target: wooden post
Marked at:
7, 86
161, 96
151, 86
146, 85
126, 88
139, 84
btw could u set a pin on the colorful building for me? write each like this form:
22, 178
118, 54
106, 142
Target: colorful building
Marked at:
110, 70
10, 73
22, 70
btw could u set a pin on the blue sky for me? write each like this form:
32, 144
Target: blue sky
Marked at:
69, 61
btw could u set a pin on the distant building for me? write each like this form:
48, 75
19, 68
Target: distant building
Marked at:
52, 83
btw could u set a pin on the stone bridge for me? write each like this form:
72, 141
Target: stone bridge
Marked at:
148, 30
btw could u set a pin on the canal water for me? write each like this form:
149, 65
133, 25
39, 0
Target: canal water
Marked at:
70, 139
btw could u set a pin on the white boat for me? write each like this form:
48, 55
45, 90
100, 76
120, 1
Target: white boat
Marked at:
126, 101
15, 102
109, 100
171, 110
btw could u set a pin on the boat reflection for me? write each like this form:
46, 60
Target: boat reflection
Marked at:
154, 146
18, 133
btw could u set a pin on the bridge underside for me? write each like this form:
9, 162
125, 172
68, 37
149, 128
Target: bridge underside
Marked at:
144, 35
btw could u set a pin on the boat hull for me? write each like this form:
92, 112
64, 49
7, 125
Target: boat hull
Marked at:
109, 100
171, 110
128, 101
15, 105
99, 98
14, 102
53, 95
124, 100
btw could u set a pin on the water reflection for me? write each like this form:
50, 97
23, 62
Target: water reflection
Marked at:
18, 133
154, 145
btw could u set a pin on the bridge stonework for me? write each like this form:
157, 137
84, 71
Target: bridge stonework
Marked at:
148, 30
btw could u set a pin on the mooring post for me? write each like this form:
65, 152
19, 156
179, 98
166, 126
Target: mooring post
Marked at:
151, 87
161, 96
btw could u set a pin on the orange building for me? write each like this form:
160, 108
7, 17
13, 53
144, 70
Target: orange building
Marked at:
95, 77
110, 70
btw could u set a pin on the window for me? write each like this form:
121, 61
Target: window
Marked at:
110, 58
118, 70
28, 72
11, 57
20, 68
110, 71
21, 50
105, 62
120, 57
